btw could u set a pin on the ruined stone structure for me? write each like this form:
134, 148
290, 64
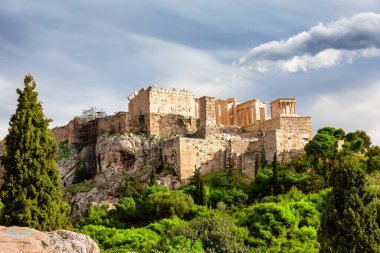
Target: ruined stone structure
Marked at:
204, 132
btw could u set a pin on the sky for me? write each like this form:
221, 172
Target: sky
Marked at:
92, 53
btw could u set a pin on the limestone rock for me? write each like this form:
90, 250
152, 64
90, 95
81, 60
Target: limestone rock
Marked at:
169, 181
27, 240
81, 201
67, 168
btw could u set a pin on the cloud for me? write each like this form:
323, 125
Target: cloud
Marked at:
356, 108
324, 45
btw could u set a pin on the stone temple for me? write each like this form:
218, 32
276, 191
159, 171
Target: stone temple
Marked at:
202, 131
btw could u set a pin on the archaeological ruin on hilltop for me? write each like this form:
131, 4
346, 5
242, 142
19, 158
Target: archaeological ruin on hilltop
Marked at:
198, 131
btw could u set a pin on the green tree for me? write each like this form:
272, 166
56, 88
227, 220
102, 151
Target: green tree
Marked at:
31, 191
257, 164
230, 170
276, 188
217, 234
322, 148
200, 197
373, 156
349, 222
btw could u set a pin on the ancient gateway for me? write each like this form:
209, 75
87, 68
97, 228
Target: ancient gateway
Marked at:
201, 131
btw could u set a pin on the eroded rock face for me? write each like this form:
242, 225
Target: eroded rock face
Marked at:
81, 201
116, 157
27, 240
134, 154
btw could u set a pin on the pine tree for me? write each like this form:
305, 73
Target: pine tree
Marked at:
349, 221
200, 197
31, 191
257, 165
276, 189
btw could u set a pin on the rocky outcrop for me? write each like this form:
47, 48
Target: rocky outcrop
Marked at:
27, 240
81, 201
132, 154
116, 157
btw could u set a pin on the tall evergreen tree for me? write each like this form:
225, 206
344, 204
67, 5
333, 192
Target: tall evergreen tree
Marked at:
276, 189
349, 222
200, 197
257, 165
31, 191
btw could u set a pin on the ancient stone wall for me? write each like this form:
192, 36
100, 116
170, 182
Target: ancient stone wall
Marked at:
208, 155
163, 101
207, 118
64, 132
121, 122
139, 102
289, 145
289, 124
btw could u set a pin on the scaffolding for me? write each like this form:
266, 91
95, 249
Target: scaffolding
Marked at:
86, 134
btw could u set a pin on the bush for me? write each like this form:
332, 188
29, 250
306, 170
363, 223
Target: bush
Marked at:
217, 234
231, 197
122, 240
288, 223
168, 204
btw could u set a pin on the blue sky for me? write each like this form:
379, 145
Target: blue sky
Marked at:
95, 53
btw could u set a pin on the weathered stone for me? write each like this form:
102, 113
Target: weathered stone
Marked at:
27, 240
200, 132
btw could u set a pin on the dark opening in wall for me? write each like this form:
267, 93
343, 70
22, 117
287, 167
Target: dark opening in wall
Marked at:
128, 160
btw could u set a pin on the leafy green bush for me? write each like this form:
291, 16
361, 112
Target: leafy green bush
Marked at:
231, 197
168, 204
285, 223
217, 234
95, 216
181, 244
122, 240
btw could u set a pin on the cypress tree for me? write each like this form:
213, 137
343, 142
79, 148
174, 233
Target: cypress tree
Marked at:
257, 165
31, 191
276, 189
349, 221
200, 189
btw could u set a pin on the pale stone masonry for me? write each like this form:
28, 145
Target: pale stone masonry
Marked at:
203, 132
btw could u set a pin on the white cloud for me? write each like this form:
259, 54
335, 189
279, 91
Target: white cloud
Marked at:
357, 108
324, 45
186, 67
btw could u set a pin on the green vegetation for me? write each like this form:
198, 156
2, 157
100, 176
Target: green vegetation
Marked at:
349, 223
320, 202
31, 192
325, 201
64, 151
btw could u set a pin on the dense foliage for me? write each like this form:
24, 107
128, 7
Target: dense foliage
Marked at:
327, 200
349, 223
31, 192
318, 202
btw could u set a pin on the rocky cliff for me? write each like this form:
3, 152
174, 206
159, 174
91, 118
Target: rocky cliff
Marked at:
116, 158
27, 240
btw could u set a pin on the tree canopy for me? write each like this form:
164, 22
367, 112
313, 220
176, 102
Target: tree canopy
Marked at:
31, 191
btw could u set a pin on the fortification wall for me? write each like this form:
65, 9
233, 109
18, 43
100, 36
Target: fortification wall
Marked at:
163, 101
289, 124
64, 132
185, 154
139, 102
207, 118
121, 122
208, 155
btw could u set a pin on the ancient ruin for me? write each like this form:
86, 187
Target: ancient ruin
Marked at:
199, 131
